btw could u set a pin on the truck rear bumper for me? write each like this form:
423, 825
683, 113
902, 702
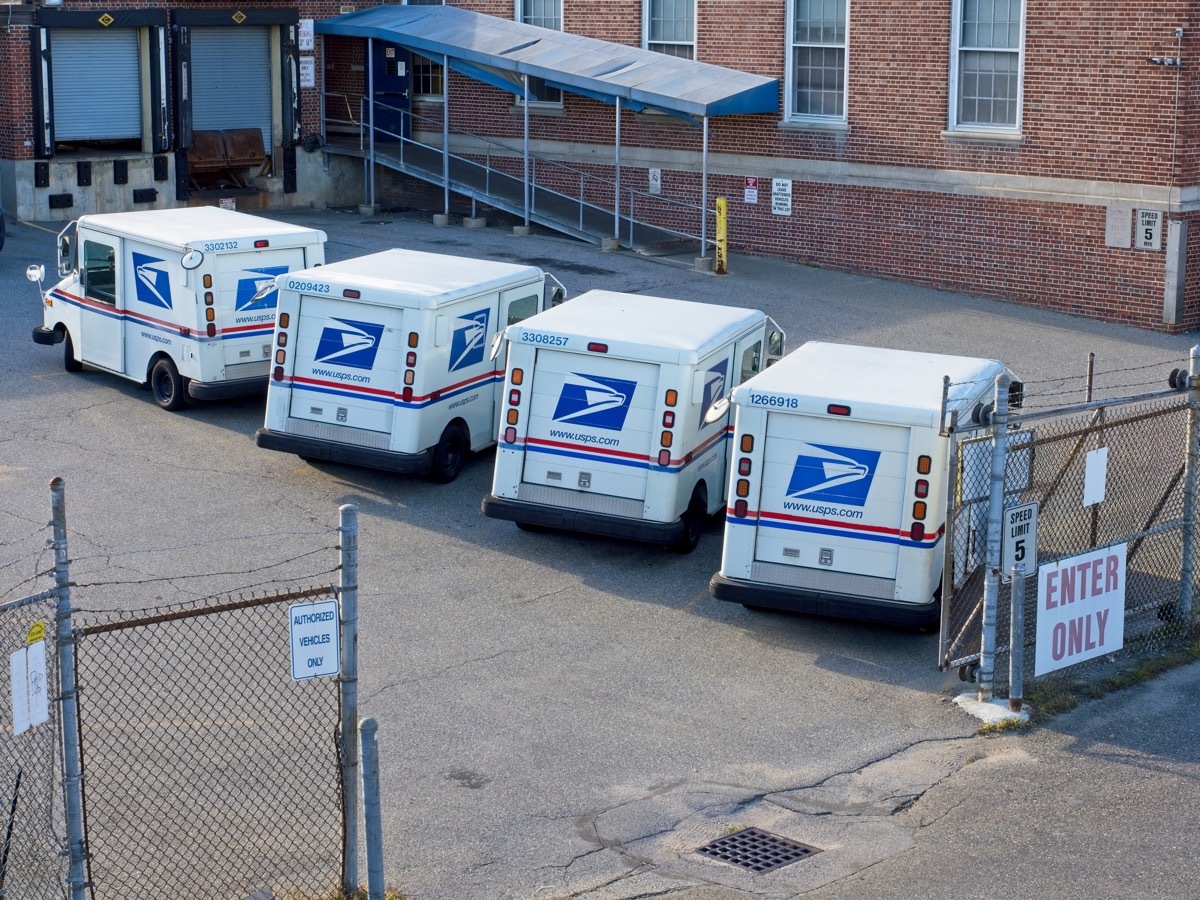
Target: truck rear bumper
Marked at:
44, 335
841, 606
564, 519
218, 390
332, 451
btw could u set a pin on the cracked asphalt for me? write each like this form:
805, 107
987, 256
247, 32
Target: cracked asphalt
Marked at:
564, 716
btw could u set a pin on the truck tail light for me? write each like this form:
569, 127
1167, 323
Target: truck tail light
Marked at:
918, 531
511, 417
278, 373
413, 339
664, 457
406, 395
208, 298
747, 443
596, 347
743, 488
510, 435
408, 376
284, 320
922, 488
260, 243
208, 281
410, 359
743, 466
351, 294
672, 397
282, 339
666, 438
740, 509
210, 315
924, 464
837, 409
518, 376
514, 398
919, 509
212, 329
280, 356
668, 419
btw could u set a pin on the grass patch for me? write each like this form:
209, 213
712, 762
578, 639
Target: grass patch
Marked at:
360, 894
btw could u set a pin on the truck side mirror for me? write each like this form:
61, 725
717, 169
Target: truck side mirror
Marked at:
35, 274
65, 257
774, 345
497, 344
193, 258
717, 411
555, 293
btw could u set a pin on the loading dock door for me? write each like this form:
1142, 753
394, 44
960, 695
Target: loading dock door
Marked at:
231, 79
96, 84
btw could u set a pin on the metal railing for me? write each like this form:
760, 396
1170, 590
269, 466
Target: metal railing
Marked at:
557, 192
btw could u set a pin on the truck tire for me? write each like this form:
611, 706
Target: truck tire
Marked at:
70, 363
167, 386
450, 454
693, 522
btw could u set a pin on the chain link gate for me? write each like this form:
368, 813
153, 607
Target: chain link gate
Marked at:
1046, 461
206, 764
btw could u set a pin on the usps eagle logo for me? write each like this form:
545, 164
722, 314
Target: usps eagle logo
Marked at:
254, 281
344, 342
833, 474
714, 388
594, 401
152, 280
466, 344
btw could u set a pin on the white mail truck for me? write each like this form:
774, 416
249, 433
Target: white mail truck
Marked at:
603, 429
838, 481
181, 299
382, 361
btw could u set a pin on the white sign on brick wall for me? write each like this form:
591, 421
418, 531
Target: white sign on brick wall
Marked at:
781, 196
1149, 229
308, 72
1117, 227
305, 34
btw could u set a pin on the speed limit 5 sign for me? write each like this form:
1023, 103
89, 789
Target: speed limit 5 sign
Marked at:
1018, 538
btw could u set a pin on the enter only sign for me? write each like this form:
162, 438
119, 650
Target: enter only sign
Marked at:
1081, 608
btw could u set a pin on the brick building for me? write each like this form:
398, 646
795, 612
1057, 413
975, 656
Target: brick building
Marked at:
1017, 150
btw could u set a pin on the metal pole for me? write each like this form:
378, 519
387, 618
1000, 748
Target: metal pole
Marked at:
1016, 640
348, 606
446, 134
525, 107
704, 193
1187, 562
69, 698
617, 189
991, 583
371, 111
949, 537
372, 818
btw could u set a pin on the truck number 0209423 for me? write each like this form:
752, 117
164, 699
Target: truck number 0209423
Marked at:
308, 287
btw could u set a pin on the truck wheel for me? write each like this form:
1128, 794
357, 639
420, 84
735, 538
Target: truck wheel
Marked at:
450, 454
167, 386
70, 363
693, 522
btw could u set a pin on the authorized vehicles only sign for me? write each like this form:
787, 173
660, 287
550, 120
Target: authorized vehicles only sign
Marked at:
1081, 608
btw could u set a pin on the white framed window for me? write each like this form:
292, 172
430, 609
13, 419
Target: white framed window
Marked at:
818, 60
986, 65
426, 74
669, 26
544, 14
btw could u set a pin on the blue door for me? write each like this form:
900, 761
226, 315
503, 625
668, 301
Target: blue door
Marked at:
391, 70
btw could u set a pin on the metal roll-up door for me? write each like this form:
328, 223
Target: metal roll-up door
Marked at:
231, 79
96, 83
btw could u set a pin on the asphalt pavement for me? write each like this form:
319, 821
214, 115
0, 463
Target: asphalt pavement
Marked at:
568, 717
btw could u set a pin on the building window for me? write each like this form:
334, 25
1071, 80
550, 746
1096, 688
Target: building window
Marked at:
817, 75
426, 74
670, 27
544, 14
986, 63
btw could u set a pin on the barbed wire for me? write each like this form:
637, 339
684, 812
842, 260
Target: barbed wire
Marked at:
197, 544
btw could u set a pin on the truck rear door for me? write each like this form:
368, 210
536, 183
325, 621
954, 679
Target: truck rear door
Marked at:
246, 324
833, 495
591, 423
347, 363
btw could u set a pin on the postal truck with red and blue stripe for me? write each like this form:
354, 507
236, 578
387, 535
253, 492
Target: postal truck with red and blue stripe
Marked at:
838, 481
180, 299
603, 428
382, 361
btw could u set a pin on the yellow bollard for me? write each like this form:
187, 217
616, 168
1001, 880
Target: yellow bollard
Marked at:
722, 238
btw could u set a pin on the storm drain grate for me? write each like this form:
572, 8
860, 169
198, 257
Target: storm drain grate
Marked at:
757, 851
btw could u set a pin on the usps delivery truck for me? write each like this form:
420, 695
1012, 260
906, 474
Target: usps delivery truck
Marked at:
181, 299
383, 360
603, 428
837, 494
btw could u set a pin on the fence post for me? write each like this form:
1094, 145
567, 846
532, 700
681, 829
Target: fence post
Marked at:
991, 583
1187, 563
348, 606
69, 704
372, 817
1016, 640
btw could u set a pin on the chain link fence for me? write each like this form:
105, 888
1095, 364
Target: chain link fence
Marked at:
1103, 475
206, 764
33, 859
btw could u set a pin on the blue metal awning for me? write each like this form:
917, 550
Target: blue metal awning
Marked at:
499, 51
